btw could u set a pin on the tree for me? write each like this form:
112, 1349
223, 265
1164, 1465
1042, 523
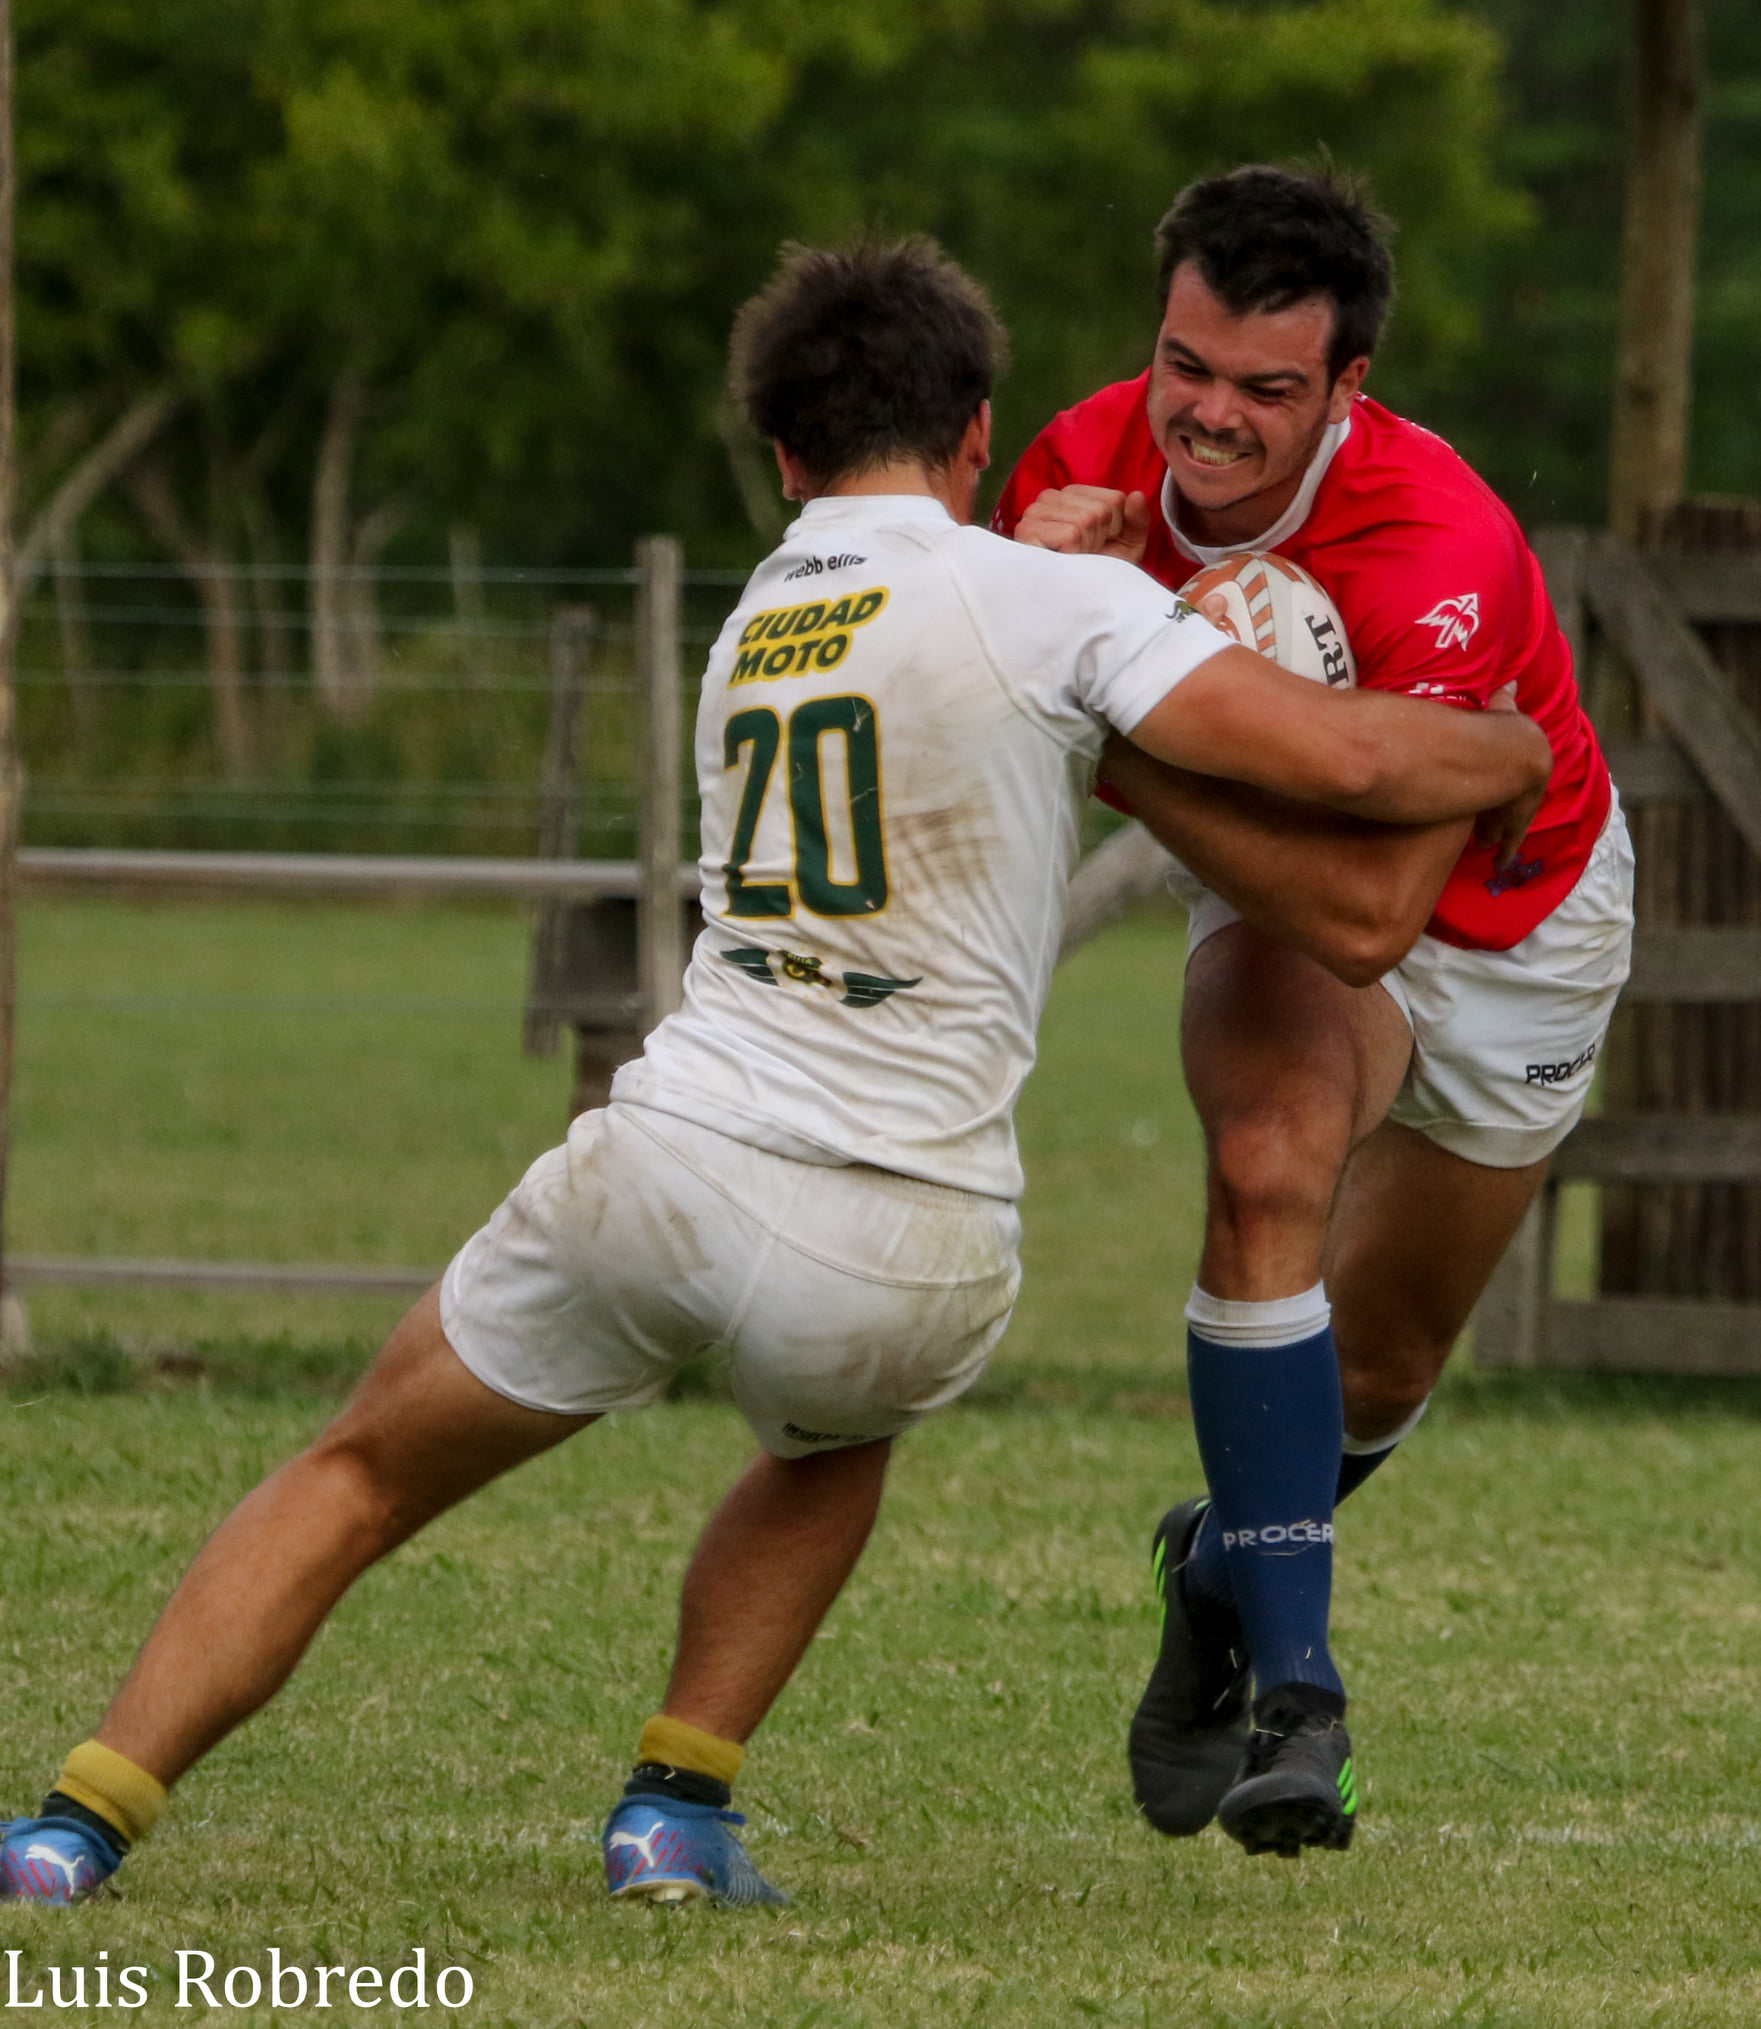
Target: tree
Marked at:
1659, 258
1530, 407
126, 133
380, 267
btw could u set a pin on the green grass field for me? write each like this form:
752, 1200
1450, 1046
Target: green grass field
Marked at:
1548, 1610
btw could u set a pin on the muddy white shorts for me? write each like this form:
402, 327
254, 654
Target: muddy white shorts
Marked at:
849, 1302
1504, 1042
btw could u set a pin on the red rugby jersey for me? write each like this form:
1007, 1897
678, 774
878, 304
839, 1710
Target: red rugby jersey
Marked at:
1440, 595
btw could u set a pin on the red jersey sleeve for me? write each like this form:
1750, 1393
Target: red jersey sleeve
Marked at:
1040, 466
1438, 612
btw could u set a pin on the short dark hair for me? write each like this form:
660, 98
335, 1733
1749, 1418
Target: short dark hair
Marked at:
855, 356
1266, 238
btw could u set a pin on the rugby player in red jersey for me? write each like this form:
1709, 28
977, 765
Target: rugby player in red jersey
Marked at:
1385, 1033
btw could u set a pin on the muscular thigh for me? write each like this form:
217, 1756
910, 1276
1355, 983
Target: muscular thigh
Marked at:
426, 1429
1266, 1032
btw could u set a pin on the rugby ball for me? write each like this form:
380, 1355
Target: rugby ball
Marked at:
1273, 605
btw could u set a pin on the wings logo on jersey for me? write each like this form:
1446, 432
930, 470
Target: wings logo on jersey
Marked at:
1457, 621
792, 640
861, 989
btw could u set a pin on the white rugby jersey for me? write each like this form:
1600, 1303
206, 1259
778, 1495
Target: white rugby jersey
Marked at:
899, 723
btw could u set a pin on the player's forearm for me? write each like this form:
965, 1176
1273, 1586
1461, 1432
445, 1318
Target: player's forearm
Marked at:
1351, 893
1398, 760
1409, 762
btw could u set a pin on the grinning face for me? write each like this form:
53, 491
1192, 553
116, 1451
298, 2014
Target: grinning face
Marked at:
1239, 405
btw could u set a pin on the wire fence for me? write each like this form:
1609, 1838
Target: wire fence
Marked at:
397, 710
502, 734
226, 1103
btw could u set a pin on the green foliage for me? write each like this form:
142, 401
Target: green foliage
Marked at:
1091, 117
1530, 405
525, 226
483, 259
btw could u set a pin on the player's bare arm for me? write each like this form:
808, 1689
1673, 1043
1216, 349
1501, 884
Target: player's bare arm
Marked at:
1367, 753
1090, 521
1351, 893
1503, 830
1248, 725
1360, 1174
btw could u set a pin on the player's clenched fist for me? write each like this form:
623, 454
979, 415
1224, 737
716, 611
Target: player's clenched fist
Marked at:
1087, 521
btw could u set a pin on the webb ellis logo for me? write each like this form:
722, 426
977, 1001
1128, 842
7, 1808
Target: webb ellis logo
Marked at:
791, 640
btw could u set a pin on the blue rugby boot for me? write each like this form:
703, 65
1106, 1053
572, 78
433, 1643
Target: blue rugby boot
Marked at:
1190, 1729
662, 1849
53, 1860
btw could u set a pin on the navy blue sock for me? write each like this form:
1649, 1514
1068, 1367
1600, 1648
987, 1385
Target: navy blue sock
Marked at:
1207, 1570
1356, 1466
1269, 1425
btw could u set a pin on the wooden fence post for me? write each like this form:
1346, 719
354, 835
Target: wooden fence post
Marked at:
572, 629
1699, 869
660, 924
1655, 344
14, 1331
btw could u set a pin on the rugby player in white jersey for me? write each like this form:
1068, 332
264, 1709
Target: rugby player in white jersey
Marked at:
812, 1167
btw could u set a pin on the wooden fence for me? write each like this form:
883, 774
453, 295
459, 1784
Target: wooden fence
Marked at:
656, 890
1669, 640
1670, 643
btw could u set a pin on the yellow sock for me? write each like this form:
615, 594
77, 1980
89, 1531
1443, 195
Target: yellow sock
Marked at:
676, 1745
110, 1784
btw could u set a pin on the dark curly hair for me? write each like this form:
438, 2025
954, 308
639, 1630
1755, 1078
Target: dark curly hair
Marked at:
855, 356
1266, 238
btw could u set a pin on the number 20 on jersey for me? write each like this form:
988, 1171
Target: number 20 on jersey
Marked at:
852, 721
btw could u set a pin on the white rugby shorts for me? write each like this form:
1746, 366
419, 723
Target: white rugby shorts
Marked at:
849, 1301
1504, 1042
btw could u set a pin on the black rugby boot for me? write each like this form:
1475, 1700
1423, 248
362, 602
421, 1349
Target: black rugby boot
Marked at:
1191, 1726
1297, 1785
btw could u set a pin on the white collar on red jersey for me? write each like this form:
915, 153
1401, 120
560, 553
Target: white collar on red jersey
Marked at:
1287, 523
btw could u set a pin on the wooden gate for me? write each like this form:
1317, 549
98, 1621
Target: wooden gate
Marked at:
1669, 641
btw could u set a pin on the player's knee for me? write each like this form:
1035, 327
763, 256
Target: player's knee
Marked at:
1382, 1401
1385, 1386
1272, 1167
379, 1506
